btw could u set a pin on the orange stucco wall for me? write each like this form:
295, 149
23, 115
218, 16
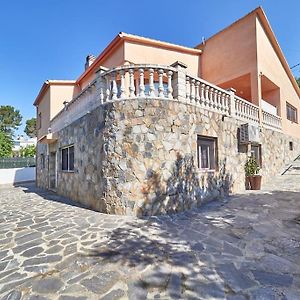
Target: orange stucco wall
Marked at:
52, 102
44, 109
59, 94
147, 54
231, 54
270, 66
244, 48
115, 59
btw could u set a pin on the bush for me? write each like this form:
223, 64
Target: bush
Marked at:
251, 167
6, 145
28, 151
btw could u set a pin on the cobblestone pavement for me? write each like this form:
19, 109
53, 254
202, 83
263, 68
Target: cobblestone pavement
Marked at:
244, 248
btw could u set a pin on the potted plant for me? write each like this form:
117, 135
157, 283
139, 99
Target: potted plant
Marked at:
253, 179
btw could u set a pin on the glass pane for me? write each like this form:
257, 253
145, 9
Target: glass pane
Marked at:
212, 159
64, 159
71, 158
255, 153
204, 156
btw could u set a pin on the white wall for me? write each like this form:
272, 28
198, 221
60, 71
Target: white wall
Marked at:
268, 107
16, 175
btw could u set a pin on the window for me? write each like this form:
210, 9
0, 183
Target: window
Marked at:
207, 153
291, 146
291, 113
256, 153
39, 121
43, 161
67, 158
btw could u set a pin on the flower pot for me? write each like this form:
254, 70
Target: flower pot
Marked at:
255, 182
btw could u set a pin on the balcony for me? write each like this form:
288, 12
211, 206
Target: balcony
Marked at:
161, 82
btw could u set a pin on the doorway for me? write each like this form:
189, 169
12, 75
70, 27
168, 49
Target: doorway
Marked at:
52, 171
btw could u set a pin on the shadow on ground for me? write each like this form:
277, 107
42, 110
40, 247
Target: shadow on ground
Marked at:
30, 187
247, 246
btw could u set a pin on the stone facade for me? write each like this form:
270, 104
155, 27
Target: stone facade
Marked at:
139, 157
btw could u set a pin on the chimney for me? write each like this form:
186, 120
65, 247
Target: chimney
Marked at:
89, 60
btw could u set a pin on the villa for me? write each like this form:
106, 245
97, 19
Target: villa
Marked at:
152, 127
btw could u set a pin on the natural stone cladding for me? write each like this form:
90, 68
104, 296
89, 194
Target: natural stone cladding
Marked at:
139, 156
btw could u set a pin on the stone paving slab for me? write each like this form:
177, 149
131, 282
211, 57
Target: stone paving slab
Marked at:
247, 247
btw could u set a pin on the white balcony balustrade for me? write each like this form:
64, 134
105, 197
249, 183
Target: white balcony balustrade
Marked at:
270, 120
160, 82
207, 95
245, 110
136, 81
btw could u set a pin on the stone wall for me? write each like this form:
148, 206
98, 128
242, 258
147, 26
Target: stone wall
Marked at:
139, 157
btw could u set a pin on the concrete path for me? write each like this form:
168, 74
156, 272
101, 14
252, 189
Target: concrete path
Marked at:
245, 248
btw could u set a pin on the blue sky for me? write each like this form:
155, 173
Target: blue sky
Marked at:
50, 39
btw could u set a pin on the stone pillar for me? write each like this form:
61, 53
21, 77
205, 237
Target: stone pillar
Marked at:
100, 84
232, 102
179, 81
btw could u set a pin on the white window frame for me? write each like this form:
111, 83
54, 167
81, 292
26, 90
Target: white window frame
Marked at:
68, 170
290, 108
215, 158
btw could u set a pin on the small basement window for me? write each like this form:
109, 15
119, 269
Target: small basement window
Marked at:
67, 158
207, 153
291, 146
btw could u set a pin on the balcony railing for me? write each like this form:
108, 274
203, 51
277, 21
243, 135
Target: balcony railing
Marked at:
207, 95
136, 81
160, 82
271, 120
245, 110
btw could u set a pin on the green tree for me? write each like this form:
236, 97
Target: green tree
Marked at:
10, 119
6, 145
28, 151
298, 81
30, 128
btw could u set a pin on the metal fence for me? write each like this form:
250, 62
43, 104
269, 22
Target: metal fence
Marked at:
17, 162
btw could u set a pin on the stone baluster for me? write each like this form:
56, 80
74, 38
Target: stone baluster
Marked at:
131, 83
101, 95
107, 88
211, 97
216, 98
202, 97
122, 87
170, 89
192, 91
188, 89
238, 108
220, 100
160, 83
223, 106
142, 84
206, 103
246, 110
100, 83
114, 90
151, 83
197, 95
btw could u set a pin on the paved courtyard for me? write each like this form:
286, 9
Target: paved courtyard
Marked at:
244, 248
